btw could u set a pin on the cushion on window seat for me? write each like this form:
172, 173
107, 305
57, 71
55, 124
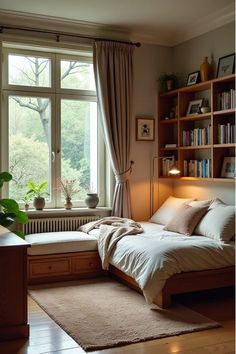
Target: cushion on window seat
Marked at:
60, 242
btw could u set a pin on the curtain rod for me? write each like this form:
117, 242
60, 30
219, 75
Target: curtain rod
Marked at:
58, 34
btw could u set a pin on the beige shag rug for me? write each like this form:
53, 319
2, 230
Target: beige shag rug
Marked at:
103, 313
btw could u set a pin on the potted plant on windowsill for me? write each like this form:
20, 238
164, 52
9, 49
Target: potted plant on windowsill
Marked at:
68, 189
10, 211
38, 192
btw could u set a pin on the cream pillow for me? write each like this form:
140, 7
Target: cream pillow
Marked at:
185, 219
201, 203
164, 214
219, 222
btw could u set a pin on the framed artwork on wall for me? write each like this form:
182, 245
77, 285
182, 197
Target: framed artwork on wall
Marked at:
228, 167
226, 65
145, 129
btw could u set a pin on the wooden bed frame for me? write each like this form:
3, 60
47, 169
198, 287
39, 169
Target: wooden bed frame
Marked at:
183, 282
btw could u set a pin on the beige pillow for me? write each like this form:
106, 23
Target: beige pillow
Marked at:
185, 219
219, 222
164, 214
201, 203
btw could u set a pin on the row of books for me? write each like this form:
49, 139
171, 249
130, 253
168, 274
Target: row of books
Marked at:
197, 136
226, 100
226, 133
197, 168
167, 163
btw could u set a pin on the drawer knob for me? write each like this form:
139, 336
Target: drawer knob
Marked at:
49, 267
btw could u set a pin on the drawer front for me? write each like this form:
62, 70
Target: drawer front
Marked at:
49, 268
86, 263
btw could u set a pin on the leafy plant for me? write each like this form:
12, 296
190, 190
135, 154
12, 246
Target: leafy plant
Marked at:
164, 77
37, 191
10, 211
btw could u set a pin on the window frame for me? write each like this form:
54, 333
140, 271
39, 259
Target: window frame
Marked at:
55, 93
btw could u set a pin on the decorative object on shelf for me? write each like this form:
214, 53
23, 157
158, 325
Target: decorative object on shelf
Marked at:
193, 78
194, 107
167, 82
226, 65
145, 129
228, 167
10, 211
26, 199
37, 191
68, 189
92, 200
205, 106
205, 70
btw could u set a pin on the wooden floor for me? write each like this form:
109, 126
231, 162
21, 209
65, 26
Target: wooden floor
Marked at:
47, 337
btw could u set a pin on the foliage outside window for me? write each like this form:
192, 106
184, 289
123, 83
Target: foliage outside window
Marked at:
52, 129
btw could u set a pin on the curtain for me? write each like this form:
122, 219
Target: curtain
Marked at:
113, 68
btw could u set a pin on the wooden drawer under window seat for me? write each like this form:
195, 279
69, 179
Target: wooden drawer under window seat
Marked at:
64, 266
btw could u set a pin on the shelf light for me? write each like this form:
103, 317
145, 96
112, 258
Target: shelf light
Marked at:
174, 171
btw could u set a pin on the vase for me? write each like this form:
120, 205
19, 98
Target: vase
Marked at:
205, 70
68, 204
91, 200
169, 85
39, 203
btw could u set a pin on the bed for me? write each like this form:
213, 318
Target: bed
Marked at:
160, 263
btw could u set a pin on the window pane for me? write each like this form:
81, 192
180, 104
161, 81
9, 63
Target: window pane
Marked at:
29, 71
29, 142
79, 144
77, 75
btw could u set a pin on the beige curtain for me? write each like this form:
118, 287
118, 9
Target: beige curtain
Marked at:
113, 68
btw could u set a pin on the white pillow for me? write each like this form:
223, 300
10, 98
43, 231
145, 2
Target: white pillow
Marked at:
167, 210
201, 203
218, 223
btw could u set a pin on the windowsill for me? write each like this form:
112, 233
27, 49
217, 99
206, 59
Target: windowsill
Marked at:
101, 211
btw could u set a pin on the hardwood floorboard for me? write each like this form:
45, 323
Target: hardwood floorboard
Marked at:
47, 337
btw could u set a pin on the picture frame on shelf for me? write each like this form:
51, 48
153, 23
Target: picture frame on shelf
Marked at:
194, 107
228, 167
145, 129
193, 78
226, 65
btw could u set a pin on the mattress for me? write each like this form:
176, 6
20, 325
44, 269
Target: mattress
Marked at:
155, 255
60, 242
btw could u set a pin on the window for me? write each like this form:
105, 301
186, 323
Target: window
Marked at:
50, 123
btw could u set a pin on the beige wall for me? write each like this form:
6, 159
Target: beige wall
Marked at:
149, 62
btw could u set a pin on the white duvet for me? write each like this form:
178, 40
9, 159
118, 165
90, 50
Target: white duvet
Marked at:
155, 255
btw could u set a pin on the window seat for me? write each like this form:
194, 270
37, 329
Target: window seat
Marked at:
60, 256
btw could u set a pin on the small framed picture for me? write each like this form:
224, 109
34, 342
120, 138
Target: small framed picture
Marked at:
193, 78
228, 167
194, 107
145, 129
226, 65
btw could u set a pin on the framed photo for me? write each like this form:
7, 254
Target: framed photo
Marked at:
193, 78
228, 167
226, 65
194, 107
145, 129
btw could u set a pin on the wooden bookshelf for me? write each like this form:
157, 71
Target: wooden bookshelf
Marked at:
212, 126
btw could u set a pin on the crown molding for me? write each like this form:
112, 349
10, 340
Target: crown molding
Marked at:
91, 29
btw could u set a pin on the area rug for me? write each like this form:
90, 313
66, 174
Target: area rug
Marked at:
103, 313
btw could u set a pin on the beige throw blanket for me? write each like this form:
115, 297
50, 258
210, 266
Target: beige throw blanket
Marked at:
112, 229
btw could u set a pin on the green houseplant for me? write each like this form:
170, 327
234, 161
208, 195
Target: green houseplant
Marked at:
167, 82
38, 192
10, 211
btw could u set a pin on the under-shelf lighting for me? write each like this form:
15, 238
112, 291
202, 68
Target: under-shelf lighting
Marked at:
174, 171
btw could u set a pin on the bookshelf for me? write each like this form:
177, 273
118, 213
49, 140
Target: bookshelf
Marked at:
197, 142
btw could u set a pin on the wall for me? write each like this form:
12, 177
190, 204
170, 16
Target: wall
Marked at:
149, 62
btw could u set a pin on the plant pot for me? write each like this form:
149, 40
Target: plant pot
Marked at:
39, 203
26, 206
169, 85
91, 200
68, 204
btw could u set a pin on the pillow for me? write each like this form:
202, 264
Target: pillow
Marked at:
219, 222
201, 203
167, 209
185, 219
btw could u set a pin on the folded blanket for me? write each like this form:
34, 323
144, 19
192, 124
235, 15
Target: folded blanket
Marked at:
112, 229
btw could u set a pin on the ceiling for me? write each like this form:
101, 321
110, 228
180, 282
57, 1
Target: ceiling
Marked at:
166, 22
